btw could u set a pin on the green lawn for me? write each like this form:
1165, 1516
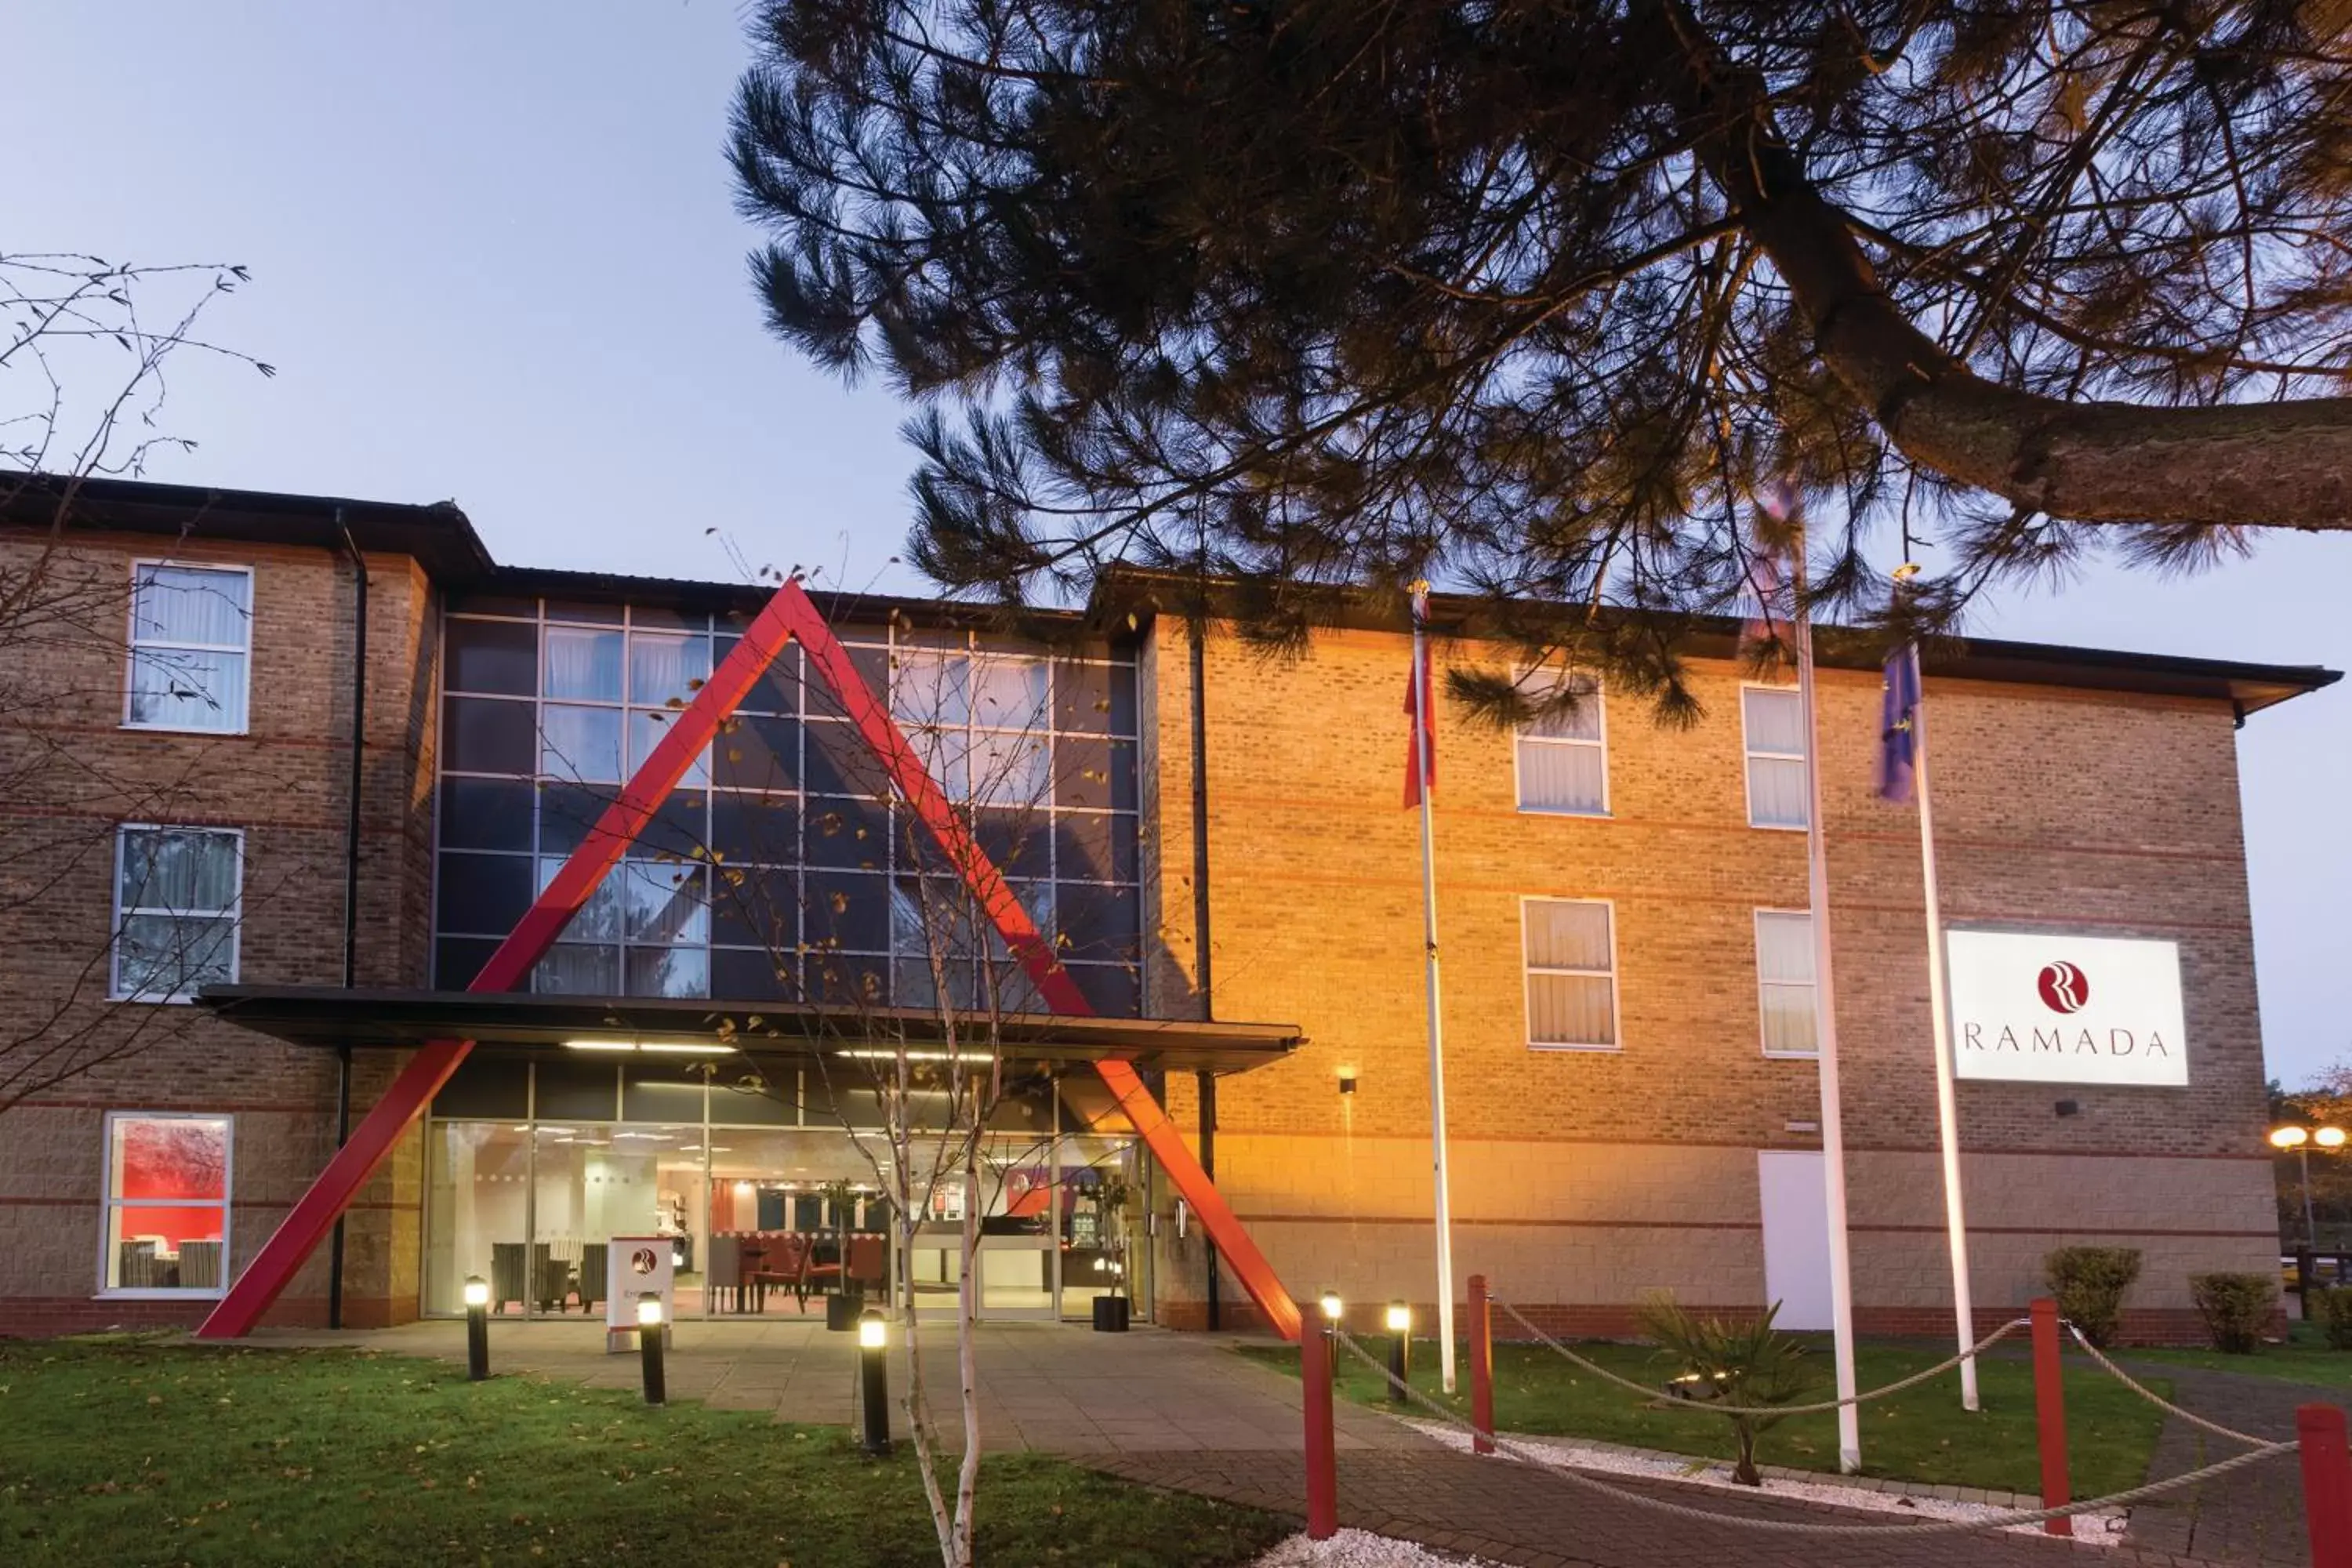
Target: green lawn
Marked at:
2304, 1358
1920, 1434
133, 1452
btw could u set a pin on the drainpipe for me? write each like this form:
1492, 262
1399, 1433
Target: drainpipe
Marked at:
350, 886
1197, 636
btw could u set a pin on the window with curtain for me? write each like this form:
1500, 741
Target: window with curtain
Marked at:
1563, 756
191, 640
1774, 719
167, 1181
1571, 973
176, 911
1784, 981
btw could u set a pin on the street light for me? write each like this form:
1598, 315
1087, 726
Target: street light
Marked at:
1400, 1326
2300, 1140
873, 1352
477, 1327
649, 1345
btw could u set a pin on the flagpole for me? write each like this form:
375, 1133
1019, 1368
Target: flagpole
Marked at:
1424, 723
1947, 1116
1825, 1012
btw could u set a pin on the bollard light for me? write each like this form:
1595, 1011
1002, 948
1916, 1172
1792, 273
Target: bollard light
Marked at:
1332, 1306
1400, 1323
649, 1346
873, 1375
477, 1327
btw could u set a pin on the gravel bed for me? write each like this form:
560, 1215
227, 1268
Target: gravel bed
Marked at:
2102, 1528
1360, 1549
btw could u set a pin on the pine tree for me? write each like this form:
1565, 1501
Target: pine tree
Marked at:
1534, 296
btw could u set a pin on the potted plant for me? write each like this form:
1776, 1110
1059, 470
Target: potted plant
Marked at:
1113, 1194
848, 1298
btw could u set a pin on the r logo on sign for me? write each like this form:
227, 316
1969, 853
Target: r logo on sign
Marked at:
642, 1260
2065, 988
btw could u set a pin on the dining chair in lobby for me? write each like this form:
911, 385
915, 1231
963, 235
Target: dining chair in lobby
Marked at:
507, 1283
592, 1275
723, 1273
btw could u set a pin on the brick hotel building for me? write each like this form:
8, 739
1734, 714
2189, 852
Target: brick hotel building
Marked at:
236, 931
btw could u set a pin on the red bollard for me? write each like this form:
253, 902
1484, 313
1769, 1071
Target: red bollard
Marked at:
1482, 1368
2327, 1484
2050, 1411
1315, 1348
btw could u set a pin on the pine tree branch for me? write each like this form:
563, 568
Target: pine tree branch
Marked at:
2282, 463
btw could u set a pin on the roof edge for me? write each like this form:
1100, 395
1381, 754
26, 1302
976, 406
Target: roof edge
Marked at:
2248, 686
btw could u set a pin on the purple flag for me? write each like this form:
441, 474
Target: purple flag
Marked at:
1898, 743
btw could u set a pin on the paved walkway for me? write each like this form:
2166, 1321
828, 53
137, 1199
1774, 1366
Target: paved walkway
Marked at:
1042, 1385
2254, 1516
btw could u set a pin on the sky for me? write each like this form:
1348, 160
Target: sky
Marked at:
496, 260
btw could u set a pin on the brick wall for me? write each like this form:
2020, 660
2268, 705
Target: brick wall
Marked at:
1582, 1178
285, 784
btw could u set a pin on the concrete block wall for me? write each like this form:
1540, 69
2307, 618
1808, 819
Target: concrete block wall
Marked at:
285, 784
1582, 1178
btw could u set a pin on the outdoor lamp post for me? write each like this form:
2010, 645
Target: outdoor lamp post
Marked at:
477, 1327
2300, 1140
649, 1345
874, 1370
1400, 1323
1332, 1306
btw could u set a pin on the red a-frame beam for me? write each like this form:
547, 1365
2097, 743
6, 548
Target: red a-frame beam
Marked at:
789, 614
988, 887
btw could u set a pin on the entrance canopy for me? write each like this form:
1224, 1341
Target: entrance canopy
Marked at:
329, 1016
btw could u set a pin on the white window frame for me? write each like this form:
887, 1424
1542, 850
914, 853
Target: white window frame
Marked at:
236, 911
109, 1202
1749, 754
1528, 972
1814, 986
1520, 736
132, 643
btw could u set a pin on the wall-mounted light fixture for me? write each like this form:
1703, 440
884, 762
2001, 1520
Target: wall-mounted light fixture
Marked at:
1347, 1081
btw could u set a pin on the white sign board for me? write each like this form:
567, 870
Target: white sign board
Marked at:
2049, 1007
633, 1265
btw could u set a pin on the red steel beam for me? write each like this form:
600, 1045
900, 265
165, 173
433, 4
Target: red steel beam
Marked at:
370, 1143
987, 885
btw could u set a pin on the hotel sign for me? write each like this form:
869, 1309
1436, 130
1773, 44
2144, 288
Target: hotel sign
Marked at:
2049, 1007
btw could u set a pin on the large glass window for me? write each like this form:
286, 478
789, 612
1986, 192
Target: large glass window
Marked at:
770, 873
190, 638
167, 1185
771, 1206
1563, 756
1784, 981
1774, 717
1571, 973
176, 893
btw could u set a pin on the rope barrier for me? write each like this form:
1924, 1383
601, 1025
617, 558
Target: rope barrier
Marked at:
1651, 1392
1907, 1529
2120, 1375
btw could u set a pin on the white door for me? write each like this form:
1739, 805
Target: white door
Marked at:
1796, 1236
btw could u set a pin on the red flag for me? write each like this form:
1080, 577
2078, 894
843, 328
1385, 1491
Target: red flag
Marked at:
1423, 744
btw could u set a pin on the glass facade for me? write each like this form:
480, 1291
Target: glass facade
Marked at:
779, 869
772, 1198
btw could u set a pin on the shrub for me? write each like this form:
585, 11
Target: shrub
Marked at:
2236, 1308
2089, 1283
1742, 1362
2332, 1310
